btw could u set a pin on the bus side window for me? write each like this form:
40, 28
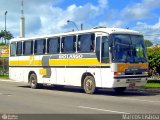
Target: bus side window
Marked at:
104, 56
40, 47
53, 45
98, 48
13, 49
19, 48
105, 49
68, 44
86, 43
28, 48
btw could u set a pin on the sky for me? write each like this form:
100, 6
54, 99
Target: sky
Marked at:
43, 17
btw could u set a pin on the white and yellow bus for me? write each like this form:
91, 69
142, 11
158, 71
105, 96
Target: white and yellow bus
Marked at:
97, 58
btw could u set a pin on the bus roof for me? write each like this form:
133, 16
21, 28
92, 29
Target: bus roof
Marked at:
104, 30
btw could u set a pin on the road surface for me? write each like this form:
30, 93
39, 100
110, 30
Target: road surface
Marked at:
19, 98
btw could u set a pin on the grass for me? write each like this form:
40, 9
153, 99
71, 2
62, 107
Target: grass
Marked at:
152, 84
4, 77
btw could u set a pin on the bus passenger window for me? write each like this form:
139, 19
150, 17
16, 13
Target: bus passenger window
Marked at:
27, 47
68, 44
86, 43
19, 48
53, 45
40, 47
13, 49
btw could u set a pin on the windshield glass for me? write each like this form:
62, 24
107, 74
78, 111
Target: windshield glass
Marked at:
128, 48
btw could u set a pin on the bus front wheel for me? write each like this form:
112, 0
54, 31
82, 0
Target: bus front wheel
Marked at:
89, 85
33, 81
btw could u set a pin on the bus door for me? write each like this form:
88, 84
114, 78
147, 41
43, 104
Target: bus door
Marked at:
102, 53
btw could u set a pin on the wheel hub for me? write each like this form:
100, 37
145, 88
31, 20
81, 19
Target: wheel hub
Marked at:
89, 84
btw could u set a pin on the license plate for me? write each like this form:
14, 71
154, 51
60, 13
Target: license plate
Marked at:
132, 85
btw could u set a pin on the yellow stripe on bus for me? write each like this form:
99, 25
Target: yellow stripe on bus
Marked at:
59, 62
73, 62
13, 63
25, 63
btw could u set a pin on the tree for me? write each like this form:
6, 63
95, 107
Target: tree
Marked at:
154, 57
148, 43
5, 35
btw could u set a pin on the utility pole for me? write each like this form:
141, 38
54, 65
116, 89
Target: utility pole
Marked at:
81, 26
22, 22
5, 26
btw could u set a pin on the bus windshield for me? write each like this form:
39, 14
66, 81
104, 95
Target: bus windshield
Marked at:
128, 48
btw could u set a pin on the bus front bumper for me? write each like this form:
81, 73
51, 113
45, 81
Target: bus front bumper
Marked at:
130, 80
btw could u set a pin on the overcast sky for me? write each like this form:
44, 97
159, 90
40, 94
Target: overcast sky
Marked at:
50, 16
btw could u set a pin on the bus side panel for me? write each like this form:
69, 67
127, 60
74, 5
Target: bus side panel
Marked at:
73, 76
15, 71
22, 73
60, 73
13, 61
107, 77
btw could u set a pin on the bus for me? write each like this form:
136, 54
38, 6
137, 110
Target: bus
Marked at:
96, 58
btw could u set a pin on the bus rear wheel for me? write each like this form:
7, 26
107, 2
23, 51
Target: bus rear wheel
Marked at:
33, 81
89, 85
119, 89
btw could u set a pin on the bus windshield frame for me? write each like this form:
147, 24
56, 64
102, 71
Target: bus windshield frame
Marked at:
128, 48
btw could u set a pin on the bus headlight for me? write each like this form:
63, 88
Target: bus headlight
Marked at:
119, 73
145, 73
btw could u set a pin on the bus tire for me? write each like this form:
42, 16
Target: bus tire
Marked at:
33, 81
119, 89
89, 85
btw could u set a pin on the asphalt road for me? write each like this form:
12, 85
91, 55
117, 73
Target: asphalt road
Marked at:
18, 98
